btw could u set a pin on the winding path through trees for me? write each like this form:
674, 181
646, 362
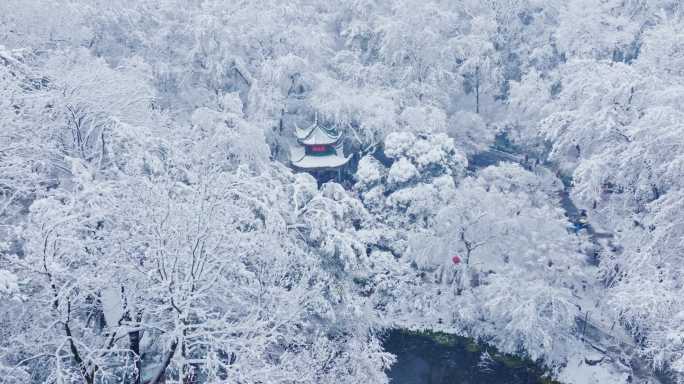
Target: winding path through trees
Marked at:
598, 328
595, 325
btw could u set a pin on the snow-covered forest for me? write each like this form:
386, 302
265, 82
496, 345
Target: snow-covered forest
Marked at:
516, 176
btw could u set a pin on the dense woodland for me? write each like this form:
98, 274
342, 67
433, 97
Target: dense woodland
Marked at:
151, 229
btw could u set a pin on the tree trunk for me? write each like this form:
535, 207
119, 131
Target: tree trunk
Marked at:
166, 360
134, 344
134, 340
477, 90
88, 376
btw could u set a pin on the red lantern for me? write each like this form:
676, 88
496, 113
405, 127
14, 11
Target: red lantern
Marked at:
456, 259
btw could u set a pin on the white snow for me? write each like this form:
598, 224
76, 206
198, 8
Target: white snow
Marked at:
149, 145
8, 283
321, 162
402, 171
111, 305
398, 143
368, 171
579, 372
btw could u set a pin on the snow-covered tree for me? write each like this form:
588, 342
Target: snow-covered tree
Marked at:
488, 239
150, 229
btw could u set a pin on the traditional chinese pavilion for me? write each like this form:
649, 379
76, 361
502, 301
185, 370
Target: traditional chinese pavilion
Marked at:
317, 149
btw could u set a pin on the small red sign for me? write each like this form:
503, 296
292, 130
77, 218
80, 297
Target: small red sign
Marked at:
319, 148
456, 259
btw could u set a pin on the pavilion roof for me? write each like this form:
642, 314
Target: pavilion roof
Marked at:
316, 135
